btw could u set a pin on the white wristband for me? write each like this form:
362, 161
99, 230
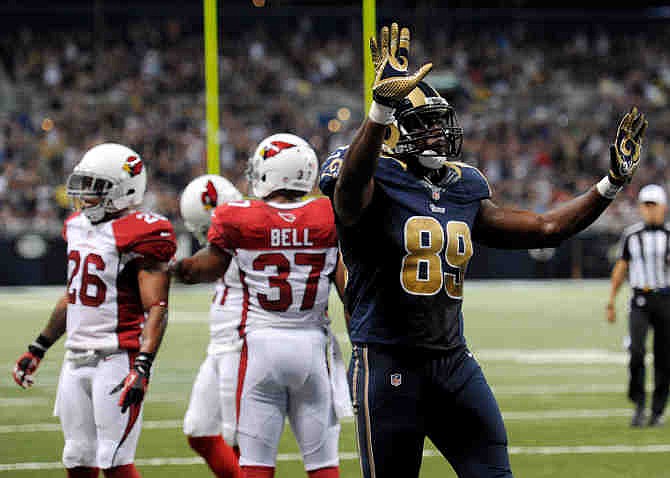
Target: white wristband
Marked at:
607, 189
381, 114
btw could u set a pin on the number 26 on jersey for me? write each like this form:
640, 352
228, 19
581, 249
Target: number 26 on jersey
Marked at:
422, 271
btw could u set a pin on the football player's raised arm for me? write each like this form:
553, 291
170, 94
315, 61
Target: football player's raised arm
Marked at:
390, 56
509, 228
355, 185
207, 265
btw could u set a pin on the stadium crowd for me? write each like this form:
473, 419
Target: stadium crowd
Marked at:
538, 109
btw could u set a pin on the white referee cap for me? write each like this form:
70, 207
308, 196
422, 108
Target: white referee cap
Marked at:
652, 193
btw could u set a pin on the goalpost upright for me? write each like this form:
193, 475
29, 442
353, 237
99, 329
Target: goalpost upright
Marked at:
212, 84
369, 30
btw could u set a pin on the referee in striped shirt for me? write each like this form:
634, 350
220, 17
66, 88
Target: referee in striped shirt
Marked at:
645, 255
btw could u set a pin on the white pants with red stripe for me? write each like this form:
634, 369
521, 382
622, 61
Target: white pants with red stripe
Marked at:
287, 376
91, 418
212, 409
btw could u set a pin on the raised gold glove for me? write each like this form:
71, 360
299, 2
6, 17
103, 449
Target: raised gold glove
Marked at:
391, 59
625, 152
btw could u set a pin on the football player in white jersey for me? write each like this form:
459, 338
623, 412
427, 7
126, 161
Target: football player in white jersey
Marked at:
114, 312
210, 422
290, 366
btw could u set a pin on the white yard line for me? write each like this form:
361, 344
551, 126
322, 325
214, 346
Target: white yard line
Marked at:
24, 402
515, 415
55, 427
559, 389
553, 356
519, 450
567, 414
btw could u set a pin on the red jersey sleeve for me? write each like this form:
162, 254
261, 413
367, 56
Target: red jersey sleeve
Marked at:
149, 235
225, 231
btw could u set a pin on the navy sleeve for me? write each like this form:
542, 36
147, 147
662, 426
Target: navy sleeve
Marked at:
330, 171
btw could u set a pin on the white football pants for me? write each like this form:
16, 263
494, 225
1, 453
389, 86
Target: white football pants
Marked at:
287, 375
91, 418
212, 409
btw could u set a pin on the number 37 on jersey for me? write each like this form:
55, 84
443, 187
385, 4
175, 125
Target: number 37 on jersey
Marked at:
423, 270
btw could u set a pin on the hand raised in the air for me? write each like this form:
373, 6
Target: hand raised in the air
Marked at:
625, 152
391, 60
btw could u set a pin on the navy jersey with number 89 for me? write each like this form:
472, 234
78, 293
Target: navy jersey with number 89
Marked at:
407, 255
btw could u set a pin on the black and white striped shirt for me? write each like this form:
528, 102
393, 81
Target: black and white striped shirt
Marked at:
647, 252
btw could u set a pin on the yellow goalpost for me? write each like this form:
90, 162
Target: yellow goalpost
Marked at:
369, 12
212, 85
369, 30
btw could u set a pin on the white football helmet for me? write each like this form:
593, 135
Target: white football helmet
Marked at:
112, 173
199, 199
282, 161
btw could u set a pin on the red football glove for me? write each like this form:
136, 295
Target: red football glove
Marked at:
135, 385
25, 368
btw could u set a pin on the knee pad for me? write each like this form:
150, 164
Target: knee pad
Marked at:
256, 452
200, 426
79, 453
109, 456
323, 455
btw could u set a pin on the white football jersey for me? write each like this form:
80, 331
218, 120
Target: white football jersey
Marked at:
286, 253
105, 310
225, 313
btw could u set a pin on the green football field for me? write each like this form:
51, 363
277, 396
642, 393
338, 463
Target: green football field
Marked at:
557, 368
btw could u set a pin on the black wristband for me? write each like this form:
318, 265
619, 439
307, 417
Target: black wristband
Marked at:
39, 347
143, 363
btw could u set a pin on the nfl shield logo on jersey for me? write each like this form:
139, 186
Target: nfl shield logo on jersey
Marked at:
396, 379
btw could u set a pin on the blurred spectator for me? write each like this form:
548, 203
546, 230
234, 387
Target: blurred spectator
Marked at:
538, 109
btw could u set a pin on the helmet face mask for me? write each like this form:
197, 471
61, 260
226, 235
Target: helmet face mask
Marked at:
109, 179
88, 193
426, 129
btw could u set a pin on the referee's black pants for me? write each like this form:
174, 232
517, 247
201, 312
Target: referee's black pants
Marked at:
650, 310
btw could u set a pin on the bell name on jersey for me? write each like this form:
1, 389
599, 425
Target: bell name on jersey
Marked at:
286, 253
105, 310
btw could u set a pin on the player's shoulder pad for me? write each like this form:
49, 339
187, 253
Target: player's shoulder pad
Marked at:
325, 208
65, 223
145, 233
330, 170
390, 169
228, 220
474, 184
231, 213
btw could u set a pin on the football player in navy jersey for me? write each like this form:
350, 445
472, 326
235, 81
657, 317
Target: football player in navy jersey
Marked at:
407, 215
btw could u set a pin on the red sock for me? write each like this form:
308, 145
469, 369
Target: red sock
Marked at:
123, 471
83, 472
328, 472
258, 471
220, 456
